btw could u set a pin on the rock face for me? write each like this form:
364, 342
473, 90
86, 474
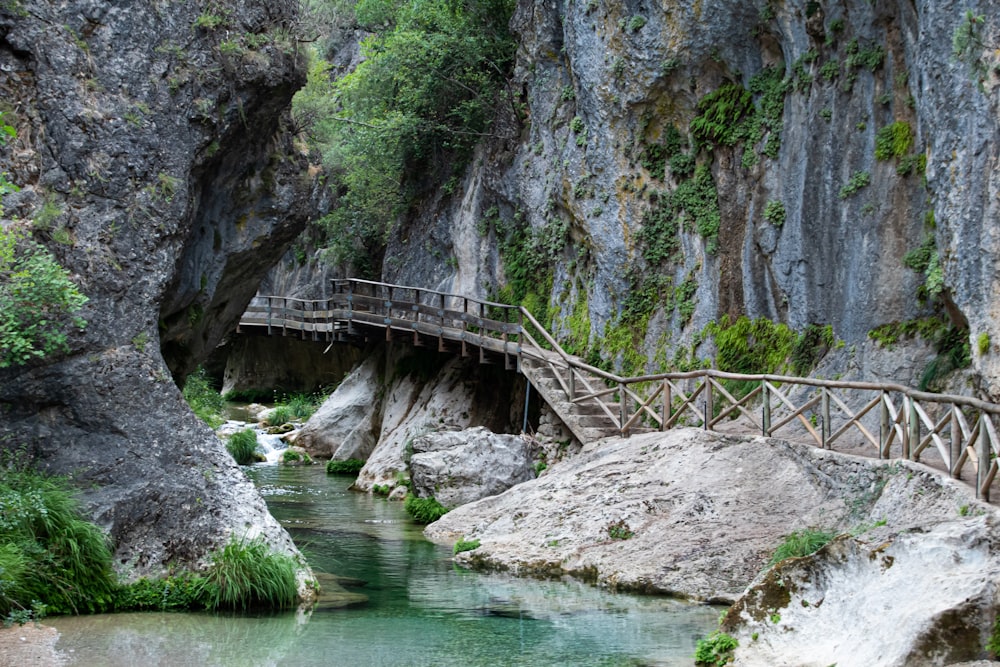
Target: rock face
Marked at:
285, 364
399, 394
152, 139
923, 598
463, 466
691, 513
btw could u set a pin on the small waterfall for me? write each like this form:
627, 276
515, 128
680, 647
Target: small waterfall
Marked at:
269, 445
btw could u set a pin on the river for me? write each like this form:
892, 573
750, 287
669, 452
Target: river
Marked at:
415, 607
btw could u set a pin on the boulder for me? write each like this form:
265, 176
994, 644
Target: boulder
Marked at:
921, 598
692, 513
459, 467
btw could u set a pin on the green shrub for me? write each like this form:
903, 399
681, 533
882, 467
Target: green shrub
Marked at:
466, 545
424, 510
49, 554
716, 649
38, 301
381, 489
348, 467
246, 574
801, 543
203, 398
243, 446
291, 456
620, 530
301, 406
893, 140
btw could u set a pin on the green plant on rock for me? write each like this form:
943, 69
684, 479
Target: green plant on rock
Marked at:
204, 400
242, 445
858, 180
38, 301
247, 574
720, 115
466, 545
801, 543
774, 212
750, 347
619, 530
715, 650
424, 510
983, 343
50, 557
344, 467
893, 140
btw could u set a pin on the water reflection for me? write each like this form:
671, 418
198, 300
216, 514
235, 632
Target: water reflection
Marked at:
419, 608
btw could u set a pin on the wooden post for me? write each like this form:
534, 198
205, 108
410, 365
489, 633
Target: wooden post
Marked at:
709, 403
825, 416
883, 427
667, 405
983, 457
572, 382
622, 409
913, 424
766, 408
954, 451
284, 315
268, 316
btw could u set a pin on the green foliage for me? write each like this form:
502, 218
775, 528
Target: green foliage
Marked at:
810, 346
893, 140
242, 445
291, 456
619, 530
278, 415
716, 649
204, 399
950, 342
801, 543
750, 347
967, 43
993, 644
983, 343
830, 69
346, 467
774, 212
919, 259
720, 114
424, 510
858, 180
38, 301
431, 77
48, 553
466, 545
180, 593
6, 187
636, 23
381, 489
246, 574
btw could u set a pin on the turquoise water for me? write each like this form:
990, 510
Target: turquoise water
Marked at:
415, 607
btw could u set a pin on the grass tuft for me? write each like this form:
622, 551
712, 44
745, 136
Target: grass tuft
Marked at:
246, 574
348, 467
243, 446
424, 510
801, 543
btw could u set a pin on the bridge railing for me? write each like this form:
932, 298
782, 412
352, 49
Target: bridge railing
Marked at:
888, 420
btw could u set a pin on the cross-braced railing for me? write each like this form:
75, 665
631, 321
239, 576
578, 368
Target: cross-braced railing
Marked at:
884, 420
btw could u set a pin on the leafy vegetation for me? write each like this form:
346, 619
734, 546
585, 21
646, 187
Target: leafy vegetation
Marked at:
619, 530
893, 140
858, 180
51, 559
774, 212
345, 467
716, 649
204, 399
424, 510
801, 543
242, 445
246, 574
406, 119
466, 545
38, 301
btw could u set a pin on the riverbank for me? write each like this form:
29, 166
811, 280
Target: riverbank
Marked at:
30, 645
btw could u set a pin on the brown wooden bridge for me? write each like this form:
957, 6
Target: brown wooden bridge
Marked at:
957, 434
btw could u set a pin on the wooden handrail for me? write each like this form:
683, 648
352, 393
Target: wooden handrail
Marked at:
501, 328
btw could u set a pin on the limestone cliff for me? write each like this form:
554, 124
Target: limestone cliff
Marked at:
153, 162
856, 135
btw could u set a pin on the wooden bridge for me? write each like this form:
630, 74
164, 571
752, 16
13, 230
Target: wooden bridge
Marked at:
957, 434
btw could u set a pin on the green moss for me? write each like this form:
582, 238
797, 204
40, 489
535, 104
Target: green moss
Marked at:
983, 343
465, 545
750, 347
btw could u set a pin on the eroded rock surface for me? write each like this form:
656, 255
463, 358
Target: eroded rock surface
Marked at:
690, 513
459, 467
169, 185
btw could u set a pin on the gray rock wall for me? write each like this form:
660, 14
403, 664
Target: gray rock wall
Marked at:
160, 145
